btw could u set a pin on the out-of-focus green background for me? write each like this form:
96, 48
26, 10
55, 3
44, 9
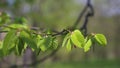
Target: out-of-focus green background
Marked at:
60, 14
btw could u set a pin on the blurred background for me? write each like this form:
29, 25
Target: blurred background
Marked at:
60, 14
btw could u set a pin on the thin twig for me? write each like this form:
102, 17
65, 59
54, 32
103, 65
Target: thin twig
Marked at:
59, 33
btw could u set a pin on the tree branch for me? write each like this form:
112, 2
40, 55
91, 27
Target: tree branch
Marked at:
84, 27
59, 33
90, 13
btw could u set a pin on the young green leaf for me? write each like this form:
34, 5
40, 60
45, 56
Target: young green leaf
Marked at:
87, 45
26, 37
30, 42
54, 44
65, 39
36, 39
25, 33
68, 45
100, 38
18, 26
45, 43
20, 46
77, 38
9, 40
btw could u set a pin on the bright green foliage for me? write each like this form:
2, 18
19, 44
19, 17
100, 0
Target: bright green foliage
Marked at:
36, 39
100, 38
45, 43
66, 39
19, 46
77, 38
54, 44
18, 26
26, 37
19, 36
87, 45
68, 45
9, 41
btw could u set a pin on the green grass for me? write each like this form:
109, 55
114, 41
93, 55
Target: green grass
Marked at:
85, 64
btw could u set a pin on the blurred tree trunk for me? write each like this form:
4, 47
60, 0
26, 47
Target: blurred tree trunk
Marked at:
27, 57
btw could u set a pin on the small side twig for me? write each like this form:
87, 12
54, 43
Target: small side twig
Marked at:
59, 33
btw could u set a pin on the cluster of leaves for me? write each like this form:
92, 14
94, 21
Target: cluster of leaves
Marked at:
19, 36
76, 39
